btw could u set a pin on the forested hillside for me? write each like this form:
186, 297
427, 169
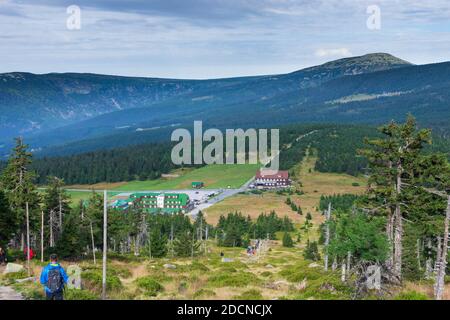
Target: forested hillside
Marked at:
336, 148
78, 113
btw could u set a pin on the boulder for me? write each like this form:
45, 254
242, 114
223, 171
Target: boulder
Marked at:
169, 266
314, 265
13, 268
74, 273
269, 266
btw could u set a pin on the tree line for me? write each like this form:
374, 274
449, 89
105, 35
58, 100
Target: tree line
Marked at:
401, 223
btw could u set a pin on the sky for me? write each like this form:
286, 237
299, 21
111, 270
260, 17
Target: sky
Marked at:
199, 39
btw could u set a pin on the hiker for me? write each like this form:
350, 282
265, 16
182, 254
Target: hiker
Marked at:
53, 278
3, 258
31, 253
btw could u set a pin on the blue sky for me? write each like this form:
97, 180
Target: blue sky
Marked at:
214, 38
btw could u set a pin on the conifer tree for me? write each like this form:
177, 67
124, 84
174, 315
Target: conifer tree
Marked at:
7, 221
392, 160
158, 244
287, 240
18, 183
185, 245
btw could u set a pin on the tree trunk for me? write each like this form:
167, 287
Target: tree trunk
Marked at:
440, 277
42, 236
28, 238
327, 236
52, 239
418, 246
105, 243
343, 272
93, 244
22, 241
398, 248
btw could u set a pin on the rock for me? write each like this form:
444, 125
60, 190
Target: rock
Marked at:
169, 266
25, 280
13, 268
277, 285
227, 260
314, 265
269, 266
74, 273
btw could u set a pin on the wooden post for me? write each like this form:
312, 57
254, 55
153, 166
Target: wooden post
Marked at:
93, 244
42, 236
105, 240
28, 237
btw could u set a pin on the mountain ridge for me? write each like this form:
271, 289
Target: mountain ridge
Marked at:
129, 103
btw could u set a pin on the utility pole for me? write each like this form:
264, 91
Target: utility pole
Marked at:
105, 239
28, 237
42, 236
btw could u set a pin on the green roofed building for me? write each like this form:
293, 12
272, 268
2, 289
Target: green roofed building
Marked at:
160, 202
197, 185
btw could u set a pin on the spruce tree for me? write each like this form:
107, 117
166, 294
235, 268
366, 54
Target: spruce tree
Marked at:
18, 183
158, 244
287, 240
393, 160
185, 245
8, 224
74, 237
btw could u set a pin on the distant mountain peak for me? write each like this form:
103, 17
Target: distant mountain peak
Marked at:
367, 63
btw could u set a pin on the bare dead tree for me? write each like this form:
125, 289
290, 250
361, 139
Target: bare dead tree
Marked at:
327, 235
442, 264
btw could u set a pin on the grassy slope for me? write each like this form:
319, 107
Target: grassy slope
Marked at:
214, 176
314, 184
281, 274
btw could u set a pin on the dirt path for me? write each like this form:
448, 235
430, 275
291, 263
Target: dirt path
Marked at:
7, 293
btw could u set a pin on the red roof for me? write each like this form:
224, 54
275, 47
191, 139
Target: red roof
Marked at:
269, 174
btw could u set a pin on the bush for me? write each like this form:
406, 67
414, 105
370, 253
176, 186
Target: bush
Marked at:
150, 286
311, 251
15, 255
12, 277
93, 278
411, 295
250, 295
204, 293
73, 294
241, 279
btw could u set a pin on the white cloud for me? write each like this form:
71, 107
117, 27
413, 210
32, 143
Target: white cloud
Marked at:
329, 53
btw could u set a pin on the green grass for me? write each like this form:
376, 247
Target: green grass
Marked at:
214, 176
76, 196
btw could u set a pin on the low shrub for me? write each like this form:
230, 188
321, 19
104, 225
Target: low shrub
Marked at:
411, 295
150, 286
203, 293
238, 279
74, 294
249, 295
93, 279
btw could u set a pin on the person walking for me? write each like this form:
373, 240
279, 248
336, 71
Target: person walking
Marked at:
54, 278
3, 258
